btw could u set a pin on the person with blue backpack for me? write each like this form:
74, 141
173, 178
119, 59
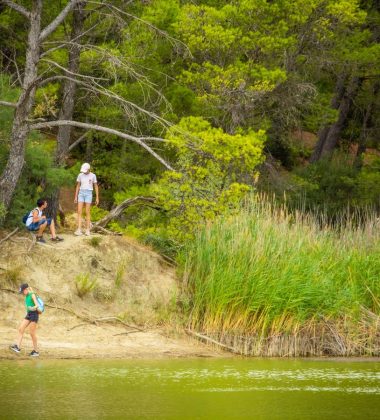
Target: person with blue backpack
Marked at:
34, 306
36, 221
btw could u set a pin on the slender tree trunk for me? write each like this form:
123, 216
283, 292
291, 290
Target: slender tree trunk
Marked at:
68, 102
336, 128
70, 87
362, 146
324, 131
20, 130
89, 146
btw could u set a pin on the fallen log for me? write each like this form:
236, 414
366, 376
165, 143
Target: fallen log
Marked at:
211, 340
118, 210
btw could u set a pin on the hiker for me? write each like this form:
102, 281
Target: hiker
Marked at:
37, 222
86, 182
30, 320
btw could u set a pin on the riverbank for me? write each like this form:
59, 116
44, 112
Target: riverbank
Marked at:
126, 308
254, 286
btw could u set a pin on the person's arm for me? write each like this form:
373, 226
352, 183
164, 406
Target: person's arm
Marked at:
76, 193
97, 194
36, 218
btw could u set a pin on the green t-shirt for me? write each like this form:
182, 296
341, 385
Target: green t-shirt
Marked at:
29, 300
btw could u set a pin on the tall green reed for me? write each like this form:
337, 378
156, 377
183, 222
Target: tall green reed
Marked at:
267, 270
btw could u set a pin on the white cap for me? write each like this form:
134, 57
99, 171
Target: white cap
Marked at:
85, 167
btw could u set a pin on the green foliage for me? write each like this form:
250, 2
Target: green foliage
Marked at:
3, 212
104, 294
161, 243
39, 178
95, 241
229, 70
97, 213
14, 276
84, 284
336, 186
266, 271
216, 169
120, 271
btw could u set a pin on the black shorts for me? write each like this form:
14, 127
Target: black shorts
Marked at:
32, 316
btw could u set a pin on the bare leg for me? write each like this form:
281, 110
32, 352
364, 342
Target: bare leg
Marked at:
32, 330
52, 229
41, 229
80, 208
88, 215
21, 330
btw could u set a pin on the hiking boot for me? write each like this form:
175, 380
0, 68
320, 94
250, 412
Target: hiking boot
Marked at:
41, 240
57, 239
34, 353
87, 233
15, 348
78, 232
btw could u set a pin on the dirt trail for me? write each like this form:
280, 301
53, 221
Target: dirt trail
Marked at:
132, 284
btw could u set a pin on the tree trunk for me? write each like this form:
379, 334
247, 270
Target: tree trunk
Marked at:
324, 131
68, 102
362, 146
336, 128
20, 129
70, 87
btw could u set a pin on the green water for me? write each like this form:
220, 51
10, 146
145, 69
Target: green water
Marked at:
190, 389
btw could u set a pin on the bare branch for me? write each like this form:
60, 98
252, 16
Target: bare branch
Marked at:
77, 141
107, 130
58, 20
126, 66
17, 7
11, 104
62, 44
116, 10
70, 72
97, 88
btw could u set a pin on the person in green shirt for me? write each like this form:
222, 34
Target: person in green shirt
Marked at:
30, 320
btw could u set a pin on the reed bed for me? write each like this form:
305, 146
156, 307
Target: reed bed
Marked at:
267, 281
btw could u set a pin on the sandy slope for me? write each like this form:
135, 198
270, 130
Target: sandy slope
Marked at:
144, 298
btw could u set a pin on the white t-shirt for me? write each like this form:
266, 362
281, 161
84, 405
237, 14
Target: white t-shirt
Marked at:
29, 220
87, 181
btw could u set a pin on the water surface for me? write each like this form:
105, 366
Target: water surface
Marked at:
190, 389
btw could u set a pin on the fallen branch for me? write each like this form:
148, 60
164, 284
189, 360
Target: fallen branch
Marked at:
211, 340
93, 320
118, 210
115, 318
128, 332
105, 231
86, 318
75, 326
9, 235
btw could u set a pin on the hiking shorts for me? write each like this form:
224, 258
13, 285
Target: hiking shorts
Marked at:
35, 226
32, 316
85, 196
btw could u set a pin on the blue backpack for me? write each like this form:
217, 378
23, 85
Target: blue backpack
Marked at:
25, 217
41, 305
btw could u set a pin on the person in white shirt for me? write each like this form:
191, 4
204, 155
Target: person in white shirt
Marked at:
86, 182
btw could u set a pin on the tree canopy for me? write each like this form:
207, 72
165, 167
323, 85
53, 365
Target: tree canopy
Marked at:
194, 103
